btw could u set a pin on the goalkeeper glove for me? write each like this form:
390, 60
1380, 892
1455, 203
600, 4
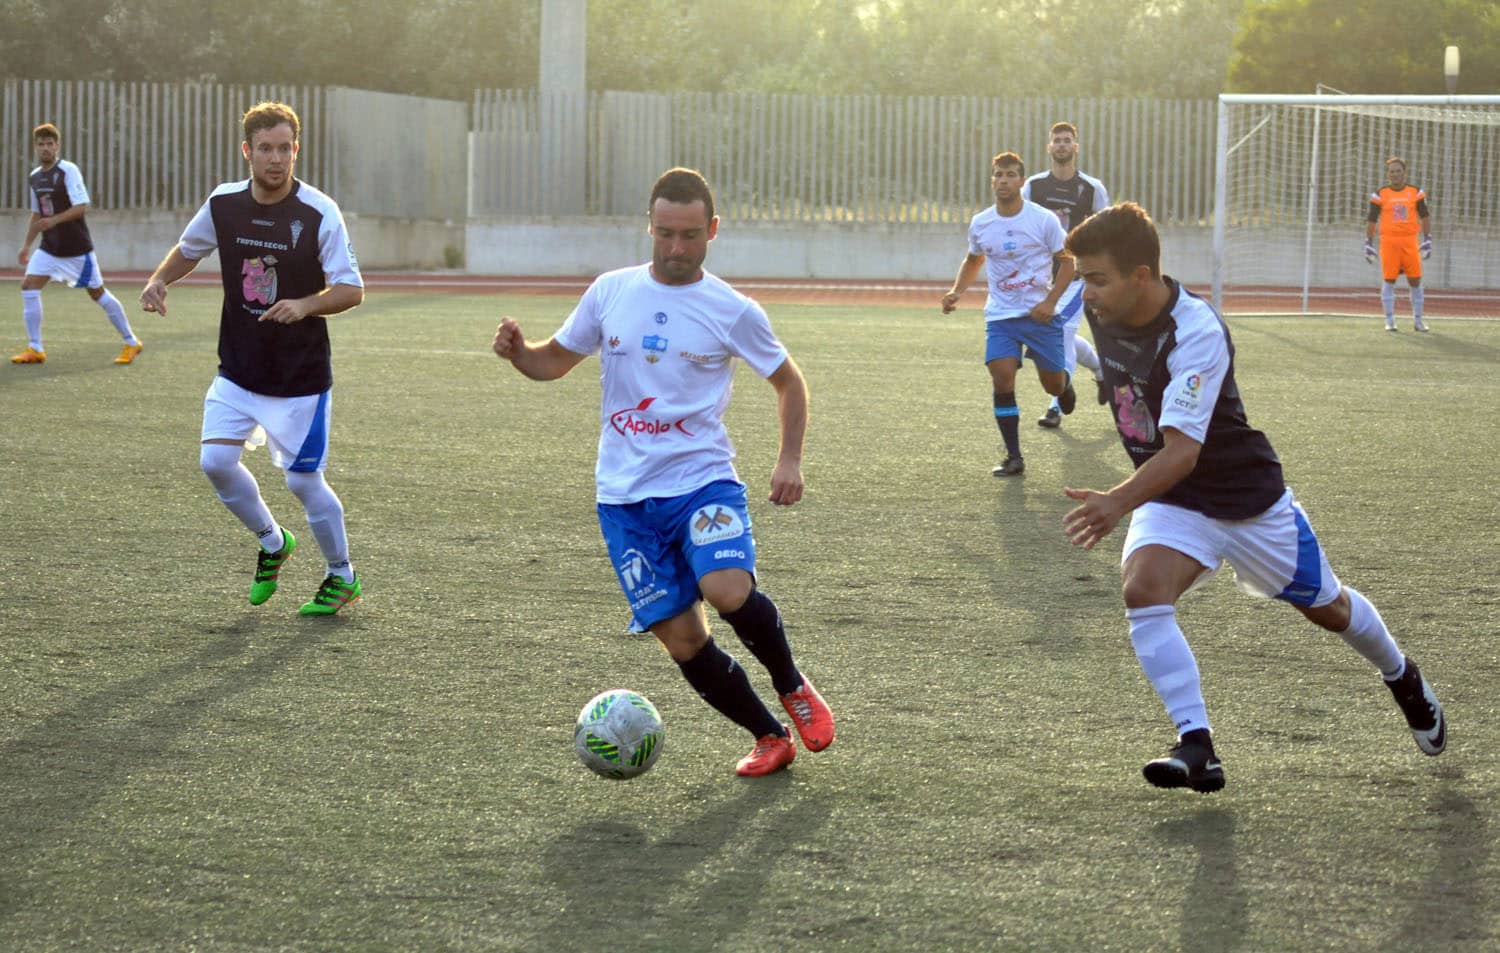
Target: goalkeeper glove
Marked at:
1425, 246
1369, 252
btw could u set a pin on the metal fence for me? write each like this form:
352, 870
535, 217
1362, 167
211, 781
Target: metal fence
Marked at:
824, 158
149, 145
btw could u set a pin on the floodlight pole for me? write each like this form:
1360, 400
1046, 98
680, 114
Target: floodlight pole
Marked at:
1450, 69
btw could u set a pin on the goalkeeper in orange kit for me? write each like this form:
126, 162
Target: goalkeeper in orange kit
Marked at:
1399, 212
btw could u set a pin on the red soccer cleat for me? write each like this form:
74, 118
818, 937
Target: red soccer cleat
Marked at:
811, 714
770, 754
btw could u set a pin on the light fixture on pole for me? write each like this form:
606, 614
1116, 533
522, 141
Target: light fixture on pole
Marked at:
1450, 68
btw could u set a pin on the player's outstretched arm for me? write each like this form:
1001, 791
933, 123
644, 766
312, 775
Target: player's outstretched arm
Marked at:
541, 362
966, 275
173, 267
791, 408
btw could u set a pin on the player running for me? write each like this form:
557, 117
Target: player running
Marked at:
286, 262
1072, 196
672, 510
1399, 212
1207, 489
1020, 244
59, 201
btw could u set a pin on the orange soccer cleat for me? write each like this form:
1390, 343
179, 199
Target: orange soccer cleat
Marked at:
128, 353
811, 714
30, 356
770, 754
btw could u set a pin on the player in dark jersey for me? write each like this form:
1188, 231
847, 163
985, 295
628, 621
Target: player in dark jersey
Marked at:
1207, 489
286, 262
1072, 196
59, 200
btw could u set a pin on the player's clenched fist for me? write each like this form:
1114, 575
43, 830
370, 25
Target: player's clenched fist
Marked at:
508, 338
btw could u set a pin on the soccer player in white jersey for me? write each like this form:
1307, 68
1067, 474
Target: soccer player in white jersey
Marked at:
1207, 489
1072, 196
286, 262
672, 510
59, 201
1020, 244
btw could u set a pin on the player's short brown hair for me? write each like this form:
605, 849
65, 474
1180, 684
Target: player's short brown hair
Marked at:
682, 186
1063, 126
1396, 160
269, 115
1125, 233
46, 131
1009, 160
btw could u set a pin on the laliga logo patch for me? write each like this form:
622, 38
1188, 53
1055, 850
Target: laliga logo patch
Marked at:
714, 524
1190, 394
659, 317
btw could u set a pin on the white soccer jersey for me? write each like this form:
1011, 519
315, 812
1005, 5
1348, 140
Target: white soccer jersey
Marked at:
667, 364
1018, 254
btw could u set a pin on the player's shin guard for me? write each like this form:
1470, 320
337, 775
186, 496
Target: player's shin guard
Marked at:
1168, 662
1417, 295
116, 314
758, 624
31, 313
1368, 635
1008, 418
1388, 299
238, 491
325, 517
1085, 355
719, 680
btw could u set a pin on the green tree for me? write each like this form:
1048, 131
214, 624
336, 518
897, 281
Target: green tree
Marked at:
1373, 46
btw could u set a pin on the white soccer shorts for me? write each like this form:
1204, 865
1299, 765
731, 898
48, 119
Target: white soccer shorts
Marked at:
295, 427
80, 272
1274, 555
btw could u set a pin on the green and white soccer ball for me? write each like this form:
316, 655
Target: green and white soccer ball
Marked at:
619, 734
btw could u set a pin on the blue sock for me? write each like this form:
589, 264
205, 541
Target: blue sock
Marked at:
719, 680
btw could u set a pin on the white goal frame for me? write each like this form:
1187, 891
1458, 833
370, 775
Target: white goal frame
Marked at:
1224, 149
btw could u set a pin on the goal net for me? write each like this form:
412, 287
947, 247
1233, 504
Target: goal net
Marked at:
1292, 190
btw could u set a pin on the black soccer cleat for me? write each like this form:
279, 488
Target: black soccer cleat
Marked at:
1052, 419
1424, 715
1010, 466
1068, 399
1190, 764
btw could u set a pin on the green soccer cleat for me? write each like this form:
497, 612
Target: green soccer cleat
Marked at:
332, 596
268, 569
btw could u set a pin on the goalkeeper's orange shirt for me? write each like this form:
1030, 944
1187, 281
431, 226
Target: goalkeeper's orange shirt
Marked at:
1399, 211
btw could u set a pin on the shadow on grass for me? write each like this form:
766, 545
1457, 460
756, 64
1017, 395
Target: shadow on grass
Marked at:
1215, 914
1451, 909
689, 887
54, 774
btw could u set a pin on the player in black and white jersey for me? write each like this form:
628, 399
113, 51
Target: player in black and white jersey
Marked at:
1072, 196
1207, 489
59, 200
286, 262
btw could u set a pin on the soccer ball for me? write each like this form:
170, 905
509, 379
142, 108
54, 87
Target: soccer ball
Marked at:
619, 734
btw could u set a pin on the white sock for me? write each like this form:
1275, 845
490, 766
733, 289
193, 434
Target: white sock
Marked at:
1085, 354
1388, 300
238, 491
1417, 294
31, 313
1368, 636
325, 517
116, 314
1168, 662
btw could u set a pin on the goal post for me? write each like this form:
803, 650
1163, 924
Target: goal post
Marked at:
1292, 185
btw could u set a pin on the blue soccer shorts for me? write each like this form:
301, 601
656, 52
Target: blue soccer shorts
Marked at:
1043, 343
660, 547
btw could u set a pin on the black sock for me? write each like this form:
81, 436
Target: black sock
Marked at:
1008, 417
719, 680
1199, 736
758, 624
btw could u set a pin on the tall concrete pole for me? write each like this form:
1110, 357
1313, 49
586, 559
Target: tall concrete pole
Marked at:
564, 104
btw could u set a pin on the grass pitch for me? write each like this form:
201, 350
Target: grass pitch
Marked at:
181, 771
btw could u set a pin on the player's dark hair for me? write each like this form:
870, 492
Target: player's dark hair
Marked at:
1125, 233
683, 187
46, 131
1063, 126
269, 115
1396, 159
1009, 160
